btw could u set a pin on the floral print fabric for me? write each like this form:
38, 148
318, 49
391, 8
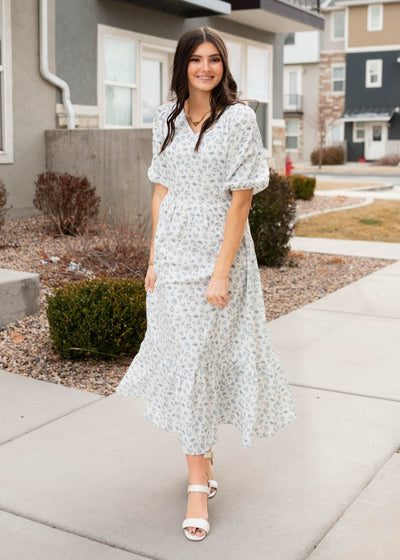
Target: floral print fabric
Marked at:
200, 365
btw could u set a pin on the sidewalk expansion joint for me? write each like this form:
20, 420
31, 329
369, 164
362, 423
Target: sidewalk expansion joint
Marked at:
52, 420
364, 395
81, 535
354, 313
346, 508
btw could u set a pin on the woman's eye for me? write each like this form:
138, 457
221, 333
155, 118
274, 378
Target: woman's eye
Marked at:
216, 60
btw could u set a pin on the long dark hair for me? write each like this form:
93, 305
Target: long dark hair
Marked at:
224, 94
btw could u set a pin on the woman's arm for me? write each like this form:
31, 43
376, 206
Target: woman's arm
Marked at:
235, 224
159, 192
234, 228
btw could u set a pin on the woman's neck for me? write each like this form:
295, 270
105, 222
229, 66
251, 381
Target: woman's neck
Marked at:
199, 101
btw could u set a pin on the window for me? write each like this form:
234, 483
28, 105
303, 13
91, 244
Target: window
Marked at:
133, 77
6, 111
338, 75
289, 38
375, 17
338, 25
358, 132
292, 85
292, 134
250, 64
335, 133
373, 73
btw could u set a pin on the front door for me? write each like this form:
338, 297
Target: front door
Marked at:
375, 140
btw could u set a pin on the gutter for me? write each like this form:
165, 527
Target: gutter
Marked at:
44, 64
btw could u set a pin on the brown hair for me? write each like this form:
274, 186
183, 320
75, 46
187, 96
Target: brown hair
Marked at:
224, 94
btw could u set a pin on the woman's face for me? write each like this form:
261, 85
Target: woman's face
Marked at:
205, 68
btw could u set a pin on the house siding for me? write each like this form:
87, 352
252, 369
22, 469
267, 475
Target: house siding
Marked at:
357, 95
358, 34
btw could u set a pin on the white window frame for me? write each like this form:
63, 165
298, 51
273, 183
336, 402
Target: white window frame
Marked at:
339, 124
357, 125
368, 64
292, 135
243, 79
379, 27
286, 86
338, 92
333, 37
144, 42
7, 153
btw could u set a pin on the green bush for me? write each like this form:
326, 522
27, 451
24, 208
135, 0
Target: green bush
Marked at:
332, 155
101, 318
303, 186
271, 218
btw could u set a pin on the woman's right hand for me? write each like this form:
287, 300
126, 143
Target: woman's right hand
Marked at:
150, 279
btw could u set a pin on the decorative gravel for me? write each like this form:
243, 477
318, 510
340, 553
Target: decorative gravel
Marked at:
322, 203
25, 348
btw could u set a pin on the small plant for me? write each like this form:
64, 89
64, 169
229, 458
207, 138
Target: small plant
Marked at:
332, 155
370, 222
393, 159
70, 202
271, 218
102, 318
3, 201
303, 186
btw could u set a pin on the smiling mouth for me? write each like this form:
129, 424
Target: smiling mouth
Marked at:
205, 77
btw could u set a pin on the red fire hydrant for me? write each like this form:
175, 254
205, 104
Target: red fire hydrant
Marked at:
289, 165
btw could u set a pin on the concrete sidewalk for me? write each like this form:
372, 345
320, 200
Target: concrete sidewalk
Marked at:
84, 476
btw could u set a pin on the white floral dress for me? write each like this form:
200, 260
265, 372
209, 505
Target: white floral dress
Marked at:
200, 365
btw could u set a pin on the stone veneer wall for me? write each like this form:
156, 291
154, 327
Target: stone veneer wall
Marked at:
331, 104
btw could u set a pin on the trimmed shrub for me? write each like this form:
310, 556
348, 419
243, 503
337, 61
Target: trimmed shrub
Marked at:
303, 186
332, 155
70, 202
3, 201
271, 218
102, 318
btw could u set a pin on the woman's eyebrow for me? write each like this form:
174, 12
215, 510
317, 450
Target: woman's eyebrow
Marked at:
209, 56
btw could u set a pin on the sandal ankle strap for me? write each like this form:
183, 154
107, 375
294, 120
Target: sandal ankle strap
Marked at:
198, 488
209, 455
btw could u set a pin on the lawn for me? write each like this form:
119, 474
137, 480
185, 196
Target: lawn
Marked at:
334, 185
379, 221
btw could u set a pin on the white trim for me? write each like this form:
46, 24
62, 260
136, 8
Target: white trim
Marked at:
368, 83
338, 65
380, 19
278, 123
365, 119
144, 42
350, 3
346, 32
382, 48
333, 38
7, 155
297, 136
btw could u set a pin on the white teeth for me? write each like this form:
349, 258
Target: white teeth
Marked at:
205, 77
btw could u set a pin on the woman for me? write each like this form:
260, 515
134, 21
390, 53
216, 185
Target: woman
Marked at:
206, 358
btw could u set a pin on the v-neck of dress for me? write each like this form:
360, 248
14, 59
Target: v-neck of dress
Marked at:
188, 123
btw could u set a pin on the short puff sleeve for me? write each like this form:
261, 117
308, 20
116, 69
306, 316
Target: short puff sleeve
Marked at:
247, 166
158, 172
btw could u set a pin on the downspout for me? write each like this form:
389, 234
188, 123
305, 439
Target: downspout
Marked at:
44, 65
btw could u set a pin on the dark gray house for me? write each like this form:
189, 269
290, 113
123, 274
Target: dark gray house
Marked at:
81, 79
372, 106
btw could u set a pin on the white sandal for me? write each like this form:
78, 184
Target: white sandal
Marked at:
211, 483
197, 522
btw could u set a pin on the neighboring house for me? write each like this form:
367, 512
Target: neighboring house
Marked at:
112, 60
372, 111
358, 83
315, 69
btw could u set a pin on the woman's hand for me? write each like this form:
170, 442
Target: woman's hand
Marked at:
217, 292
150, 279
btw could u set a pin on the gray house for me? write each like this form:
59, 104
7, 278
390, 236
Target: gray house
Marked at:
80, 80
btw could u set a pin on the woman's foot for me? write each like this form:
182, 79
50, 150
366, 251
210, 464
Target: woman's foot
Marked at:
197, 505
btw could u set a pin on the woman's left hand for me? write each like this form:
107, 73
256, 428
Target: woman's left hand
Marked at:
217, 292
